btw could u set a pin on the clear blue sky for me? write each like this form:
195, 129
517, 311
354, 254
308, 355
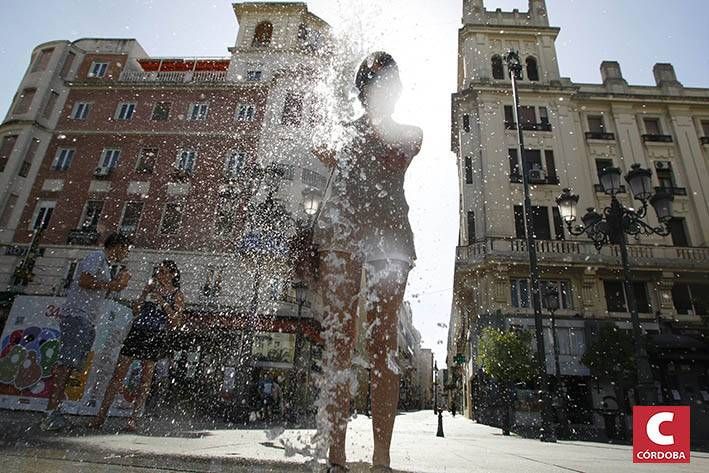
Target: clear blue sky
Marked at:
422, 35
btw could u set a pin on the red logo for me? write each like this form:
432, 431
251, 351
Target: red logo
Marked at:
661, 434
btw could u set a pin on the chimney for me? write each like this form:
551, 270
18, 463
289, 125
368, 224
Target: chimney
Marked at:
665, 75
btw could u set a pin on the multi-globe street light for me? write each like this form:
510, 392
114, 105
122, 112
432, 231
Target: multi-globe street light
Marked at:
612, 227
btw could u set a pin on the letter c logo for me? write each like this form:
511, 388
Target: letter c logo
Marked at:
653, 428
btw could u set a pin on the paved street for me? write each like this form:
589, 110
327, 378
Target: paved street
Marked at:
171, 447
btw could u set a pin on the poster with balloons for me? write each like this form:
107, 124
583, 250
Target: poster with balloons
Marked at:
29, 346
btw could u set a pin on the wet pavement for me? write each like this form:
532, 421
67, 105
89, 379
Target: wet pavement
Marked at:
182, 446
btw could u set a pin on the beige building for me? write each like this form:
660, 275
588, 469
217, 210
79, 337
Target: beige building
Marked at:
572, 131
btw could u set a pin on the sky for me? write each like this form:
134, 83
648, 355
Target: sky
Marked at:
422, 37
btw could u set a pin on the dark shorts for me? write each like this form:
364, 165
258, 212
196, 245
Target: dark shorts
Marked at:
77, 338
143, 344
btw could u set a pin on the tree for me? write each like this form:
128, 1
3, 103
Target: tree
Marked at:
507, 357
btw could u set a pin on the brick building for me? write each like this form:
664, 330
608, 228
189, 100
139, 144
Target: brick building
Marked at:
101, 137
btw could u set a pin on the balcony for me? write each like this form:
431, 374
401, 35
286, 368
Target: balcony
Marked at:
529, 126
548, 180
657, 138
704, 140
599, 135
672, 190
173, 77
85, 237
583, 254
599, 188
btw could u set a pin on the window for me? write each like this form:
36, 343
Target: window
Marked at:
146, 160
498, 71
678, 232
29, 157
540, 223
67, 64
245, 112
24, 102
171, 218
49, 106
515, 173
109, 158
532, 159
471, 227
705, 127
125, 111
550, 166
665, 176
42, 213
186, 161
63, 159
595, 124
558, 224
691, 298
226, 213
42, 60
131, 217
466, 122
652, 126
234, 162
532, 71
81, 110
519, 293
543, 116
253, 76
616, 297
161, 111
602, 165
509, 117
263, 34
527, 115
292, 110
98, 69
563, 290
8, 144
519, 222
468, 170
7, 211
198, 111
92, 215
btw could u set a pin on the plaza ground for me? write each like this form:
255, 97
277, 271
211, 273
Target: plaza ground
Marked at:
182, 446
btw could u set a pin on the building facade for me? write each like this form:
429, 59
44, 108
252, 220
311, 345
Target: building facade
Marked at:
573, 131
179, 153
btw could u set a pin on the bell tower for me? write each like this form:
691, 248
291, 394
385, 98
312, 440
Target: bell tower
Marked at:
487, 35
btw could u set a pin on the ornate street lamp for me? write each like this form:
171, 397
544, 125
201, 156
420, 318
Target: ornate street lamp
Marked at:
546, 433
311, 200
613, 227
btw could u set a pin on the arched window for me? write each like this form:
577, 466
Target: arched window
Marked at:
263, 33
532, 71
498, 72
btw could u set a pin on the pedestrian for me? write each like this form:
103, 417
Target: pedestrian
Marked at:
91, 284
266, 394
364, 226
157, 315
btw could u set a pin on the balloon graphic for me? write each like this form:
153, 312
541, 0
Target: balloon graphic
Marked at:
49, 352
10, 364
30, 372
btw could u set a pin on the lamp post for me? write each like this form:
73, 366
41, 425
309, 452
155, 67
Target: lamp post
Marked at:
547, 433
435, 387
612, 228
550, 296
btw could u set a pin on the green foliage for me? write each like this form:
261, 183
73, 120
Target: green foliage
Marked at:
610, 355
506, 355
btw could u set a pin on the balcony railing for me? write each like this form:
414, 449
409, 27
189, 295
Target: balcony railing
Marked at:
704, 140
657, 138
599, 135
82, 237
599, 188
583, 253
173, 76
516, 178
672, 190
529, 126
